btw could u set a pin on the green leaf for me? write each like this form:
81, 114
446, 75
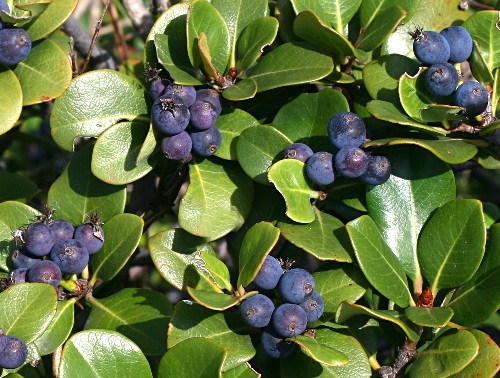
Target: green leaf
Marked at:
289, 178
379, 264
452, 243
325, 238
429, 317
95, 101
305, 118
217, 269
26, 310
380, 28
139, 314
241, 371
441, 113
285, 14
177, 256
11, 98
78, 193
123, 233
19, 189
447, 355
258, 242
203, 17
290, 64
323, 354
91, 354
232, 123
117, 150
218, 198
227, 329
370, 9
215, 301
419, 184
242, 90
151, 145
479, 65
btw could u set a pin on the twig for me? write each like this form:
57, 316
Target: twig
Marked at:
465, 4
405, 355
96, 34
118, 32
141, 17
72, 57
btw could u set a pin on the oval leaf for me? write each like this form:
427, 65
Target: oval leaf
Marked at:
242, 90
50, 19
216, 301
20, 188
380, 28
11, 98
370, 9
321, 353
429, 317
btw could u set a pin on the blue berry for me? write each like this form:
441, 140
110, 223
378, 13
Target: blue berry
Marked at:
177, 147
13, 352
39, 239
203, 115
296, 285
23, 259
346, 129
45, 271
289, 320
212, 96
274, 345
378, 170
441, 79
15, 45
170, 114
3, 7
460, 42
298, 151
91, 235
63, 229
158, 88
313, 307
472, 96
319, 168
185, 92
206, 142
430, 47
18, 275
70, 255
269, 274
256, 311
351, 162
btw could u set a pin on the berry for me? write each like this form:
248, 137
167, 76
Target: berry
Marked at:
13, 352
157, 88
296, 285
274, 345
319, 168
15, 45
177, 147
269, 274
298, 151
91, 235
430, 47
351, 162
378, 170
346, 129
441, 79
256, 311
18, 275
212, 96
206, 142
23, 259
3, 7
313, 307
472, 96
203, 115
63, 229
70, 255
289, 320
185, 92
45, 271
39, 239
170, 114
460, 42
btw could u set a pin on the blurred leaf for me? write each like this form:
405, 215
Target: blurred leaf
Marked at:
215, 301
491, 213
429, 317
11, 99
242, 90
20, 188
370, 9
380, 28
324, 354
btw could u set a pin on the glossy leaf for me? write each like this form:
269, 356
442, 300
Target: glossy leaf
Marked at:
217, 269
7, 246
441, 113
289, 178
11, 98
479, 65
78, 193
380, 28
324, 354
20, 188
151, 145
429, 317
242, 90
452, 243
50, 19
241, 371
97, 99
217, 200
379, 264
370, 9
92, 353
215, 301
285, 14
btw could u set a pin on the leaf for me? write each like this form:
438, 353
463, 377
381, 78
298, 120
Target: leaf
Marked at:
429, 317
78, 193
217, 269
377, 31
241, 371
447, 355
479, 66
325, 238
210, 71
91, 353
370, 9
258, 242
419, 184
123, 234
117, 150
151, 145
26, 310
217, 200
11, 98
324, 354
195, 357
289, 178
441, 113
227, 329
290, 64
305, 118
20, 188
97, 100
242, 90
452, 243
215, 301
139, 314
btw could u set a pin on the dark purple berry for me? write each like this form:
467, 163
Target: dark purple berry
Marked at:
3, 7
256, 311
170, 114
157, 88
18, 275
206, 142
351, 162
289, 320
296, 285
212, 96
298, 151
23, 259
346, 129
319, 168
460, 42
13, 352
203, 115
15, 45
313, 307
186, 92
269, 274
378, 170
177, 147
472, 96
39, 239
441, 79
91, 236
70, 255
274, 345
430, 47
45, 271
63, 229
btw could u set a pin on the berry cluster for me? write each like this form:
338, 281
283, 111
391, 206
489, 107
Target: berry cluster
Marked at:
15, 43
347, 132
13, 351
301, 304
439, 51
175, 108
50, 248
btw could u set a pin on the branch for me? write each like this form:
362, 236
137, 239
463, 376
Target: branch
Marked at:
405, 355
140, 16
